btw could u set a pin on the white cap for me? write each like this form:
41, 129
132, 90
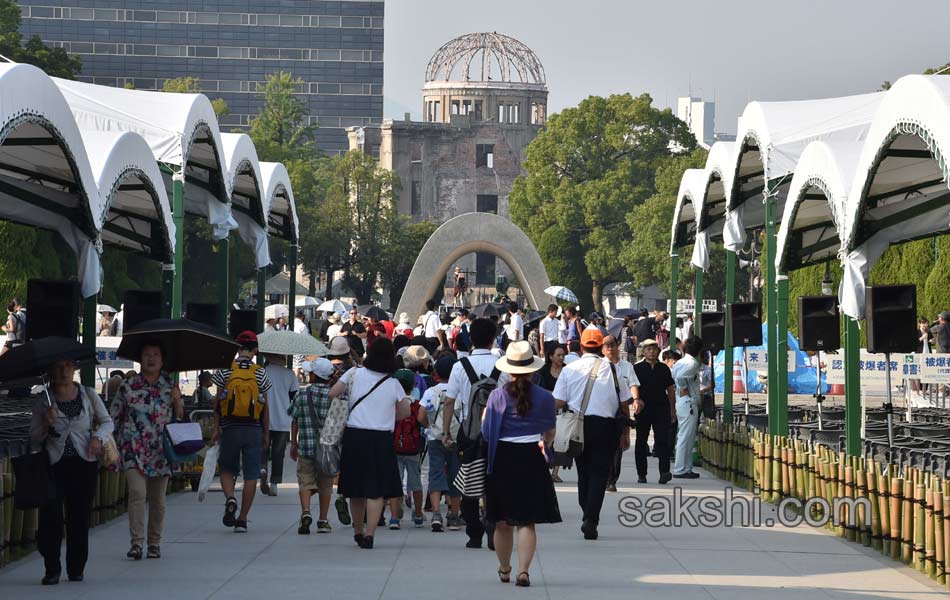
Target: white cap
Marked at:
320, 367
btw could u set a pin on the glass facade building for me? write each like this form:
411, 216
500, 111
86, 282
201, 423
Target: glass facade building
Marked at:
335, 48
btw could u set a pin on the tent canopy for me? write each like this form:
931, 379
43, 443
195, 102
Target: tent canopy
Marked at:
247, 196
815, 206
45, 177
899, 191
181, 129
279, 202
719, 165
685, 215
280, 284
771, 137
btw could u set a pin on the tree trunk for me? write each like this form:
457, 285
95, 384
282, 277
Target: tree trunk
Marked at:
312, 287
596, 297
329, 284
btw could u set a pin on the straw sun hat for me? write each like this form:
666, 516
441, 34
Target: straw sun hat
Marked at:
519, 359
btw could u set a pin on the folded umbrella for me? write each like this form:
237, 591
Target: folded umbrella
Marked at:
373, 312
562, 293
485, 311
287, 342
34, 358
188, 346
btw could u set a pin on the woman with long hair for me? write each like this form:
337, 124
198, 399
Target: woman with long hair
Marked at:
369, 474
519, 418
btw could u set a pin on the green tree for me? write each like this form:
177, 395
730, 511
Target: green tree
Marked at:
403, 245
192, 85
280, 131
55, 61
564, 264
588, 168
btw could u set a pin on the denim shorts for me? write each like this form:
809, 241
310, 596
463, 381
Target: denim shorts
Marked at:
410, 464
443, 467
241, 446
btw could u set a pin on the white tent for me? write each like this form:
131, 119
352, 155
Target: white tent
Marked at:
816, 203
137, 214
899, 190
720, 163
181, 130
247, 195
45, 176
771, 138
686, 216
279, 202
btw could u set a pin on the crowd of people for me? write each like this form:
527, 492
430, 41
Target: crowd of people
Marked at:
454, 419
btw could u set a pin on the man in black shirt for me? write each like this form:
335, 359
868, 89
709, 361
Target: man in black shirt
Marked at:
643, 330
355, 332
656, 408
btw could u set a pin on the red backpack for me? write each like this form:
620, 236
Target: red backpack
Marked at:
407, 437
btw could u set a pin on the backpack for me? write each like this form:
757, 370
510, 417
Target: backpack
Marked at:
243, 395
462, 340
470, 432
407, 437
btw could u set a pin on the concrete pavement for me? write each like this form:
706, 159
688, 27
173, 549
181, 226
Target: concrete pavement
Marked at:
203, 559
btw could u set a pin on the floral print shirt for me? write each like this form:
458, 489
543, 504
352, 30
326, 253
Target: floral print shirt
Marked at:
140, 411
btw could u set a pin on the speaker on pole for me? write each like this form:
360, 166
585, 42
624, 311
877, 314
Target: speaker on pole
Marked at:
205, 313
892, 318
53, 309
746, 319
712, 330
139, 306
819, 323
242, 320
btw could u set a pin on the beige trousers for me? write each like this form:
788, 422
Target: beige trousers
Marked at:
152, 490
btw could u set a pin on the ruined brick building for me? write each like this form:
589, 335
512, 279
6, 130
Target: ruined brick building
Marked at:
484, 100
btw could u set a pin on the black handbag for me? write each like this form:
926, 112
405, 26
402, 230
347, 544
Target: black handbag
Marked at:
34, 483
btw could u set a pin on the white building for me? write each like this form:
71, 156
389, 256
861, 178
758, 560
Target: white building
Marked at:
700, 116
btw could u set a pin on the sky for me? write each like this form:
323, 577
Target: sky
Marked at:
730, 51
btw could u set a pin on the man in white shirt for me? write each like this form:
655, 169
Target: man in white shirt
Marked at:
515, 328
284, 387
688, 403
574, 348
548, 330
300, 326
601, 426
431, 325
459, 389
334, 329
626, 378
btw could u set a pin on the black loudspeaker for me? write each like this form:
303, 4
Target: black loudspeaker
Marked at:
139, 306
819, 324
746, 319
242, 320
712, 330
205, 313
892, 318
53, 309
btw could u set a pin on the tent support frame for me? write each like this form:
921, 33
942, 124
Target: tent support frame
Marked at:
674, 275
728, 354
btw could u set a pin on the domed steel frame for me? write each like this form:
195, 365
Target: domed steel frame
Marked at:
509, 59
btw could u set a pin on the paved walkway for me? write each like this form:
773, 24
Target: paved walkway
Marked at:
202, 559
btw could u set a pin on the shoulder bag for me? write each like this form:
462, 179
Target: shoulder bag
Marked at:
34, 480
569, 428
331, 433
109, 456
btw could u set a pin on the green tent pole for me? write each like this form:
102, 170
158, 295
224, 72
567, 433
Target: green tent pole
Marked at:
728, 355
698, 309
770, 312
674, 274
292, 266
89, 321
781, 347
261, 301
168, 287
178, 216
224, 265
852, 387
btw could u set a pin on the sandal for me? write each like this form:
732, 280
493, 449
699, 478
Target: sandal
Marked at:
557, 479
526, 582
504, 576
135, 552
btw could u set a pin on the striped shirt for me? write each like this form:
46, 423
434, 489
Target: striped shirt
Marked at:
220, 379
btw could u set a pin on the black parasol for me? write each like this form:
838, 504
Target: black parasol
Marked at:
188, 346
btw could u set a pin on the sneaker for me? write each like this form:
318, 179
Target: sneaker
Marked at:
135, 552
687, 475
436, 522
153, 552
394, 524
265, 487
272, 491
418, 520
453, 522
230, 509
240, 526
665, 477
342, 510
324, 527
305, 521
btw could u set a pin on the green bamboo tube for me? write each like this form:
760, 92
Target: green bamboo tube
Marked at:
884, 514
864, 533
776, 473
920, 527
812, 489
940, 557
907, 522
946, 532
849, 520
6, 505
897, 506
765, 470
930, 553
841, 530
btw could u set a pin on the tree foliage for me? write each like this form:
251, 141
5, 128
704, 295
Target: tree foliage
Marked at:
55, 61
404, 243
588, 168
280, 131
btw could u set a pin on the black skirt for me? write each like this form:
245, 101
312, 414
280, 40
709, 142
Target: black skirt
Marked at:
368, 465
519, 490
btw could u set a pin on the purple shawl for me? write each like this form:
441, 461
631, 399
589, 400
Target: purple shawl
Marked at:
502, 419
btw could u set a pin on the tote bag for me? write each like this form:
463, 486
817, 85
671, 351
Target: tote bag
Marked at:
569, 427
